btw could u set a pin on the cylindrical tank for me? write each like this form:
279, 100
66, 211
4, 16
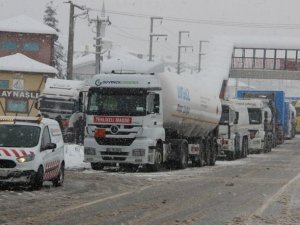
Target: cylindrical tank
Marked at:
190, 104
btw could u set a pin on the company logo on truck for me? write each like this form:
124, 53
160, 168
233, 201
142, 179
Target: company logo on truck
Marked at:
183, 93
98, 82
113, 119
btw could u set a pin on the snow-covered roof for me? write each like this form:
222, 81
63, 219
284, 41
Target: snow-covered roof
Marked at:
25, 24
21, 63
64, 84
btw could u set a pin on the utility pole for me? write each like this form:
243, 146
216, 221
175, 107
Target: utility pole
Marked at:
100, 30
71, 40
180, 47
200, 54
154, 35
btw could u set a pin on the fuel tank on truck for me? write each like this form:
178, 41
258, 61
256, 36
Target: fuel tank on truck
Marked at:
191, 106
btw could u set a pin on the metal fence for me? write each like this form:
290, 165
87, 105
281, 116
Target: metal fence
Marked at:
265, 59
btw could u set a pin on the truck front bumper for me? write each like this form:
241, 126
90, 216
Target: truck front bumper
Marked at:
141, 151
256, 144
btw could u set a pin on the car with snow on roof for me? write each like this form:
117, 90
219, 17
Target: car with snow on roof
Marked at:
31, 151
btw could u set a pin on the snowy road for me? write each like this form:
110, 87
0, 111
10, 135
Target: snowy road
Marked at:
259, 190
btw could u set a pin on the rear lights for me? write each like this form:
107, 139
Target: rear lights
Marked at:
100, 133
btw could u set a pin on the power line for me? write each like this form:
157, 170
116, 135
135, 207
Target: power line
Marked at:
210, 22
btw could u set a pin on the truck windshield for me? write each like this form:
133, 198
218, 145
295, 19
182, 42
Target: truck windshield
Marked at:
118, 102
254, 116
225, 115
19, 136
54, 105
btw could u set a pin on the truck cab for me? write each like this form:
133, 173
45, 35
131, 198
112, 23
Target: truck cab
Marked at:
233, 130
60, 100
31, 151
123, 124
259, 124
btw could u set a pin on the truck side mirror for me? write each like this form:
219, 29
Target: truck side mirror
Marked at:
37, 105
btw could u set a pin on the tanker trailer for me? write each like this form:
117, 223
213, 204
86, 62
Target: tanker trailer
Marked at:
151, 120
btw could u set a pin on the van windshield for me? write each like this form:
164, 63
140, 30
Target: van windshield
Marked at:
12, 135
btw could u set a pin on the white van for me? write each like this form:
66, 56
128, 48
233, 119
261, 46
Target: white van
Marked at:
31, 151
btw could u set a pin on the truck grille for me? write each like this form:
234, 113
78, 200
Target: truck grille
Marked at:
115, 141
114, 153
114, 158
5, 163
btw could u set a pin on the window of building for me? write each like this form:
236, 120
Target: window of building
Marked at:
4, 84
8, 45
31, 47
17, 105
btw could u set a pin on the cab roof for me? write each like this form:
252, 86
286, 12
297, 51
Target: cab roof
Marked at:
27, 120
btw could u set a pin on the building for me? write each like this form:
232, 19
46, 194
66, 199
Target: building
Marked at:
24, 35
26, 59
21, 81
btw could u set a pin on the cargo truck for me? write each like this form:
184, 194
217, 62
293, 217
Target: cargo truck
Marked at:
59, 100
233, 130
151, 120
290, 121
276, 103
297, 107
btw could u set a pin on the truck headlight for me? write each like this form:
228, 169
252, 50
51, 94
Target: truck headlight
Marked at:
138, 152
26, 158
89, 151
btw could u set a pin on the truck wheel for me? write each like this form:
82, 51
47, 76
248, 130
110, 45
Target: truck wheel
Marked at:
37, 179
59, 180
158, 158
230, 155
237, 149
245, 148
97, 166
183, 158
213, 152
198, 160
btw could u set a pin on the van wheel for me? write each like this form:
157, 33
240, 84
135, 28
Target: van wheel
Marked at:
37, 179
59, 180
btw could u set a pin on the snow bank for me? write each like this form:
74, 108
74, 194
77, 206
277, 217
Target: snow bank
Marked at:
74, 157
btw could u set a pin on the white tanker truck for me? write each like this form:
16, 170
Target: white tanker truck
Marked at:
156, 119
136, 119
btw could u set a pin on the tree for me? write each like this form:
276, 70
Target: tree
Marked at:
50, 20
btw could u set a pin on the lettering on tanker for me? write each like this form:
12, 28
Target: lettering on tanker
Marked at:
183, 109
183, 93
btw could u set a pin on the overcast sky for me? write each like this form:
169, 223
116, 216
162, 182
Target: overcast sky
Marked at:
265, 17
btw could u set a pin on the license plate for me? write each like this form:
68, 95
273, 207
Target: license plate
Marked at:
113, 149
